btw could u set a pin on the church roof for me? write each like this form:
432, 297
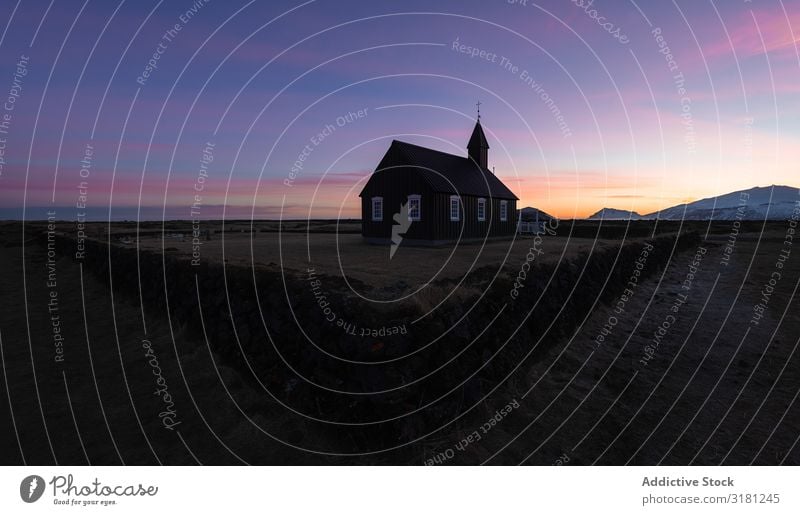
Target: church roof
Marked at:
446, 173
478, 138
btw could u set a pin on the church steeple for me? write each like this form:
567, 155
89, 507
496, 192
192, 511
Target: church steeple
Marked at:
478, 147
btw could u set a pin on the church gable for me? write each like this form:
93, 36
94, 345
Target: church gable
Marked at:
451, 196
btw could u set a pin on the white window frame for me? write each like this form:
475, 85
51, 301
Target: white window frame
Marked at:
481, 209
503, 210
418, 200
377, 201
458, 208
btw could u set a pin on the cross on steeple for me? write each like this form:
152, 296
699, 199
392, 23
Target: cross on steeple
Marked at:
479, 109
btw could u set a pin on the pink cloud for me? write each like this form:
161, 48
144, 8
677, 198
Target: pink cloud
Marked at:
780, 33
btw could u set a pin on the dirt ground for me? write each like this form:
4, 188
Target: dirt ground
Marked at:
369, 267
717, 388
97, 406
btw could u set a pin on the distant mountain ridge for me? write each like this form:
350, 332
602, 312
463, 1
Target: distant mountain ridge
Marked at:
608, 213
532, 214
759, 203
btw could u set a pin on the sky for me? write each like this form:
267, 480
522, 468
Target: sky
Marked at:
282, 109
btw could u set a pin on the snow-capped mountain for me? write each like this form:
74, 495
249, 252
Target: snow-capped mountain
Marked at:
760, 203
769, 202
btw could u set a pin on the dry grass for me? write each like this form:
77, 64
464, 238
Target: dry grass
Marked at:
368, 267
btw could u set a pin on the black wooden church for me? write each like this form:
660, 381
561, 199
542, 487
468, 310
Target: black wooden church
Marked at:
447, 197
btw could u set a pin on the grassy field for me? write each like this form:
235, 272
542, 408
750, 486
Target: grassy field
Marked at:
348, 255
338, 250
718, 387
98, 405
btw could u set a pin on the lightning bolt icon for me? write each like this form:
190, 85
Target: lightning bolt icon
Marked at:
404, 222
32, 487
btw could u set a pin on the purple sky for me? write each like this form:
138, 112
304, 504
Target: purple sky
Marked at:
654, 104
